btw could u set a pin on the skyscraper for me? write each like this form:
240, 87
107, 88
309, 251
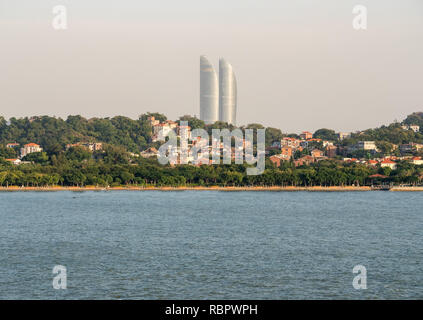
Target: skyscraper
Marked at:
209, 92
218, 100
227, 93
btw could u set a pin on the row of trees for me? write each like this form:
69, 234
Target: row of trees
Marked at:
76, 169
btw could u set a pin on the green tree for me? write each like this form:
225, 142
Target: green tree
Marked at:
193, 122
78, 153
37, 157
325, 134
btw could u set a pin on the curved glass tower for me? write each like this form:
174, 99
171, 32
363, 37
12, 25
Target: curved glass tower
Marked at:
227, 93
209, 92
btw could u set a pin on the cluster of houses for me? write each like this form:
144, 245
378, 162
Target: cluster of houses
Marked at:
288, 146
165, 127
183, 133
219, 149
33, 147
215, 147
389, 161
317, 149
24, 151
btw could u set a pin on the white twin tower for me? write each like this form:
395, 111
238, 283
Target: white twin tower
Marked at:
217, 103
217, 98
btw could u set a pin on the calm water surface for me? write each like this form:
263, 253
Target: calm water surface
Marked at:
211, 244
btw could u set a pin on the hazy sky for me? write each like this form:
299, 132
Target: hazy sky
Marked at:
299, 64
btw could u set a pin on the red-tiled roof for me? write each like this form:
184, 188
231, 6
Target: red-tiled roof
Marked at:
387, 161
378, 176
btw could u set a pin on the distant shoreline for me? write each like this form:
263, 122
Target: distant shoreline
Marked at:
214, 188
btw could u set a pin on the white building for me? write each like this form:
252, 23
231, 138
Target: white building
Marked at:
417, 161
366, 145
152, 120
150, 152
16, 162
413, 127
209, 92
227, 93
184, 132
30, 148
344, 135
388, 163
12, 145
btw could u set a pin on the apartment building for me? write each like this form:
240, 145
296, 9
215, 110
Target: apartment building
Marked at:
30, 148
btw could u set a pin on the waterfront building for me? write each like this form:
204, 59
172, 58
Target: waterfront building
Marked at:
388, 163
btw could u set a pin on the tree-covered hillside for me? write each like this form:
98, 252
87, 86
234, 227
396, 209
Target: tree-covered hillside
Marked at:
114, 165
54, 133
135, 135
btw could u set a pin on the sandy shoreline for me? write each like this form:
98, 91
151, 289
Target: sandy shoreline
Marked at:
214, 188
